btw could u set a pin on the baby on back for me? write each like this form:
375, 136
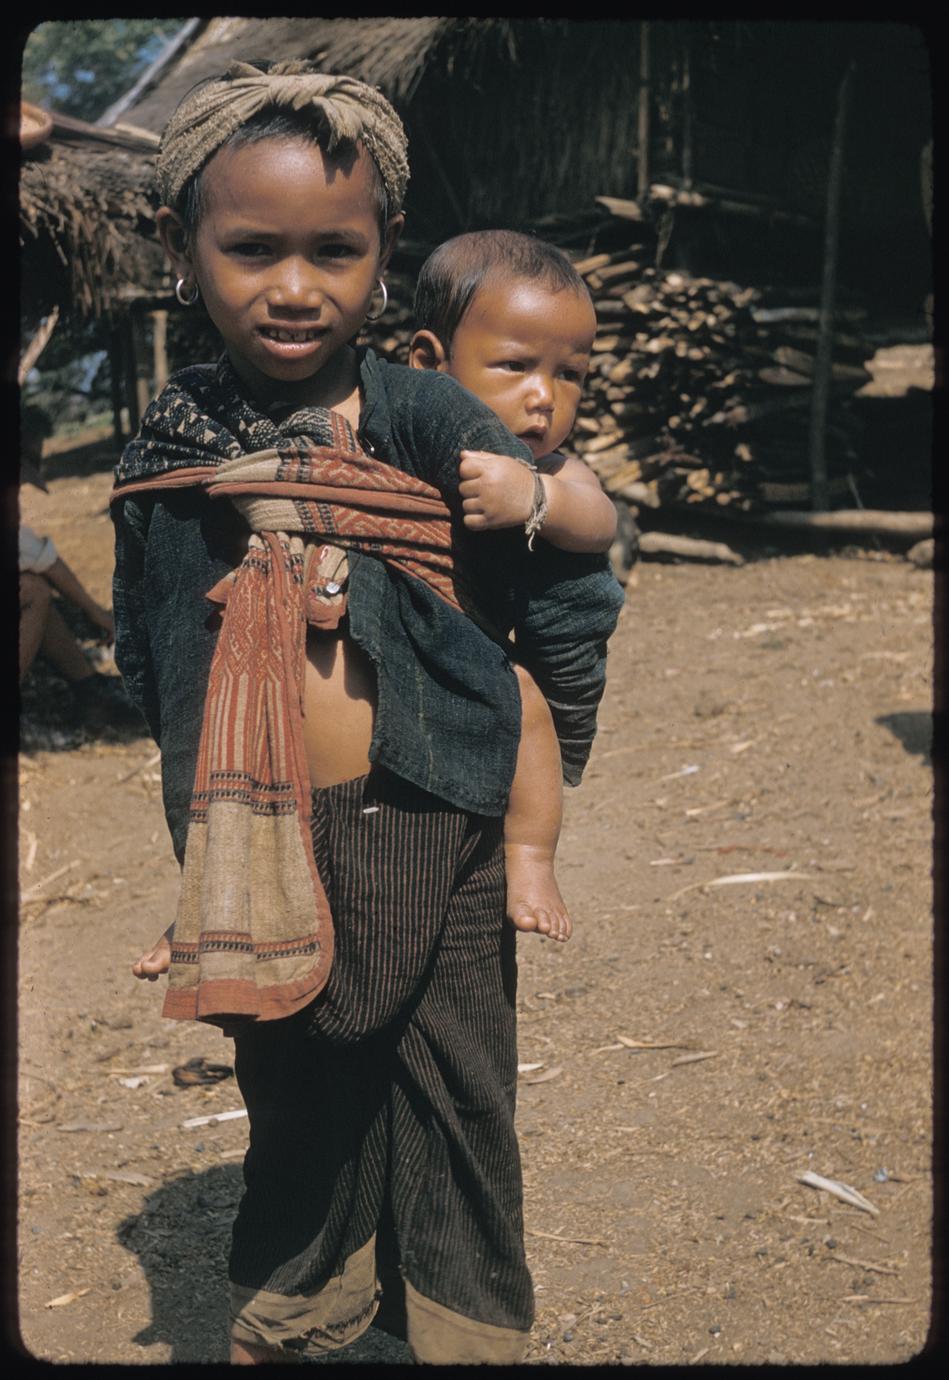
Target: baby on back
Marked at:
509, 318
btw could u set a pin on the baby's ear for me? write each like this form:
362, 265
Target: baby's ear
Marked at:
427, 352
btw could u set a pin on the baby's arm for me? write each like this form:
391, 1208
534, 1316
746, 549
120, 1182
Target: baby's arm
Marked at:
498, 491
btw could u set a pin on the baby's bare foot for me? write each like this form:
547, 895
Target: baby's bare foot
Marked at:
534, 902
156, 960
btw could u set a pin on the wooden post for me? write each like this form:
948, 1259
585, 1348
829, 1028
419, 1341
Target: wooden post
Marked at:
686, 94
642, 130
457, 209
129, 373
160, 348
141, 373
116, 375
825, 326
36, 346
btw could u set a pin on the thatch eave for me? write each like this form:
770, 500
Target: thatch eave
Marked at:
87, 225
391, 53
459, 84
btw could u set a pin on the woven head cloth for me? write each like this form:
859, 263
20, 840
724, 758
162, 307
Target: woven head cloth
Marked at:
208, 116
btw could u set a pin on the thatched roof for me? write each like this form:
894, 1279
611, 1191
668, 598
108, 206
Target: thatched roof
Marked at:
544, 110
386, 52
511, 122
86, 220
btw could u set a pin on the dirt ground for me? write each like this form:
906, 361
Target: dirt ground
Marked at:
703, 1041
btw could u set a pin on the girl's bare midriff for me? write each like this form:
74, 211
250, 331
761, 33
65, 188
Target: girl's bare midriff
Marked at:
339, 703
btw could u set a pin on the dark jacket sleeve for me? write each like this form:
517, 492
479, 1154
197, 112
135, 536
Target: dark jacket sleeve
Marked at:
566, 608
132, 655
447, 419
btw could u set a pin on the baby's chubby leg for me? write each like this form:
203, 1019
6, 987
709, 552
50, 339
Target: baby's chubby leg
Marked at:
532, 823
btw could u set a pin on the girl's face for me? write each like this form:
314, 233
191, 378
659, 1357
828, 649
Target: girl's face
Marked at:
286, 254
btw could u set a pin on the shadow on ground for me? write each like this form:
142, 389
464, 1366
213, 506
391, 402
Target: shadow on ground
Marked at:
50, 720
914, 729
182, 1237
90, 452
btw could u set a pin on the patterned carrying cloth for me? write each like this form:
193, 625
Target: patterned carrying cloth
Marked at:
253, 934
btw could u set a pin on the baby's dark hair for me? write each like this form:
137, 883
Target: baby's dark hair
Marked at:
276, 123
450, 277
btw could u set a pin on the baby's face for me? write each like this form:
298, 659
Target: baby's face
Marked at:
524, 349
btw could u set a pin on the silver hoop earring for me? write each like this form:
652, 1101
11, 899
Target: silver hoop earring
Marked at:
186, 301
385, 302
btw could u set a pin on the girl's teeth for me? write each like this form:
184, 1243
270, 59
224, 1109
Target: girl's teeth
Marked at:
291, 337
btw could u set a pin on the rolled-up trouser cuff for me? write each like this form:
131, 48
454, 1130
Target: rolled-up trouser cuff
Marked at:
332, 1317
438, 1336
344, 1307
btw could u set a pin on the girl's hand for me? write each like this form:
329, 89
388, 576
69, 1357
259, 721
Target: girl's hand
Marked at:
496, 490
156, 960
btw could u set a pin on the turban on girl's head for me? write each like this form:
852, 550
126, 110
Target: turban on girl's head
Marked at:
208, 116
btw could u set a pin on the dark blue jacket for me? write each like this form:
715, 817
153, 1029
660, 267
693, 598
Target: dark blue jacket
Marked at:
448, 712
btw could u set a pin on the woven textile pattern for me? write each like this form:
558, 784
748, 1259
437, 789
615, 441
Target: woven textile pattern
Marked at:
253, 934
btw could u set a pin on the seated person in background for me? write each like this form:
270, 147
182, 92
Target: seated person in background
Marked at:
99, 699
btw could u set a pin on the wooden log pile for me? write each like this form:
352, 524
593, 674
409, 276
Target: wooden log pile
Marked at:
699, 391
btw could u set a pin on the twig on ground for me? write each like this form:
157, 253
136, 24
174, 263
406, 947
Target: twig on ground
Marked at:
845, 1192
545, 1077
863, 1264
651, 1044
32, 892
68, 1298
744, 878
572, 1240
142, 766
218, 1116
868, 1298
32, 845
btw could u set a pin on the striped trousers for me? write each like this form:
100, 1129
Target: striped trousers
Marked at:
382, 1181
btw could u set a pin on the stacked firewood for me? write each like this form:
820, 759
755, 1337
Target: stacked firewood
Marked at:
700, 389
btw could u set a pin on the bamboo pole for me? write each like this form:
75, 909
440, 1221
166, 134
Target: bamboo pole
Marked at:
160, 348
115, 384
642, 129
686, 89
856, 522
37, 345
443, 178
141, 374
877, 522
130, 373
736, 203
825, 326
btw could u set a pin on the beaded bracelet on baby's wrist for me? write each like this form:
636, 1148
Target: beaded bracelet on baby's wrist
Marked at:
538, 513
